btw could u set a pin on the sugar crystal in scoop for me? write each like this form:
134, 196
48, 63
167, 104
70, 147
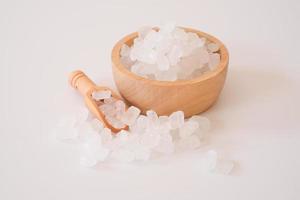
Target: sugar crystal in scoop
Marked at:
103, 94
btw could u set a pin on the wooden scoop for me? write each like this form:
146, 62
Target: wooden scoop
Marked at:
86, 87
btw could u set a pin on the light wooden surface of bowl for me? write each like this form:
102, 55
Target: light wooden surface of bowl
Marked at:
192, 96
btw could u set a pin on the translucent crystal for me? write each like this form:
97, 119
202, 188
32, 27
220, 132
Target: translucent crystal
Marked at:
176, 119
165, 144
125, 50
188, 143
203, 122
213, 47
130, 115
106, 135
214, 60
115, 122
150, 139
142, 123
212, 163
97, 125
103, 94
153, 118
163, 62
188, 129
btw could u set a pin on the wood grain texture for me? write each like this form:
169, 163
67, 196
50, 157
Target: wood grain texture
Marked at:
191, 96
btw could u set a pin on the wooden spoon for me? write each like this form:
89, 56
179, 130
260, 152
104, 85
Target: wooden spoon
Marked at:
86, 87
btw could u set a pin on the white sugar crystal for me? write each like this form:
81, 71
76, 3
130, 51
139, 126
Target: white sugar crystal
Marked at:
188, 143
125, 50
203, 122
174, 55
97, 125
212, 163
164, 122
169, 75
142, 123
209, 162
119, 107
106, 135
150, 139
188, 129
165, 144
163, 63
213, 47
108, 109
110, 100
176, 119
130, 115
152, 116
214, 60
103, 94
115, 122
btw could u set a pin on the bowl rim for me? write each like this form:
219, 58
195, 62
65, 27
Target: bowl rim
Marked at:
116, 61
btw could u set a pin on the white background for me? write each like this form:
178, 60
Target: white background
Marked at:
255, 122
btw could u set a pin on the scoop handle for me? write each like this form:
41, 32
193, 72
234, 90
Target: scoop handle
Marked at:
81, 82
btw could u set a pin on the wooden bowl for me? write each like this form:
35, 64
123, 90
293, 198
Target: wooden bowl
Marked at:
192, 96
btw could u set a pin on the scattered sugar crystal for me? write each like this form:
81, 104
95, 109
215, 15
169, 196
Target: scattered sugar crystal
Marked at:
164, 122
209, 162
130, 115
155, 53
97, 125
152, 116
150, 139
100, 95
212, 163
203, 122
165, 144
106, 135
188, 129
142, 123
148, 136
188, 143
176, 119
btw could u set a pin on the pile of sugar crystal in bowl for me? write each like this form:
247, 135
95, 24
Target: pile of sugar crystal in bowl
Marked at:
159, 55
170, 53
